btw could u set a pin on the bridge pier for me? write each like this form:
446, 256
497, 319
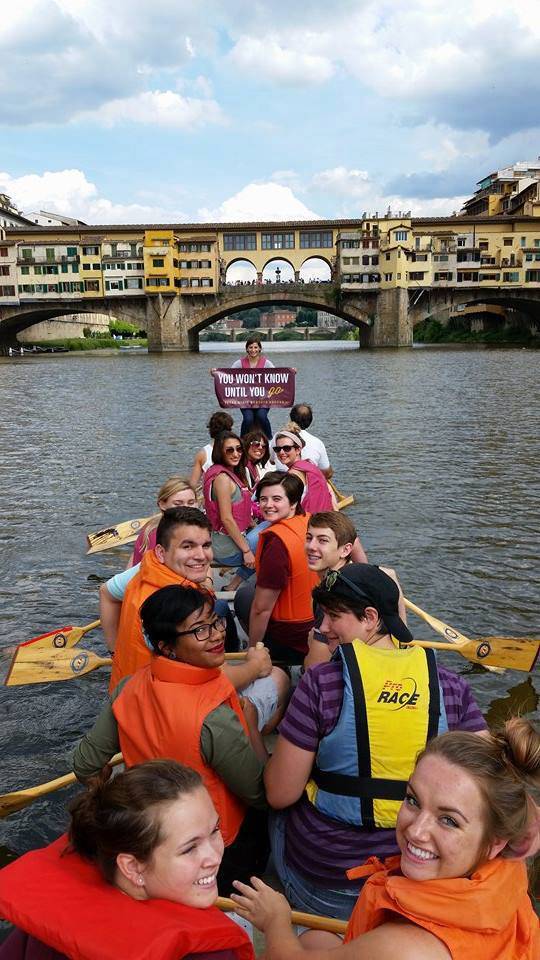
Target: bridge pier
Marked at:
392, 325
167, 325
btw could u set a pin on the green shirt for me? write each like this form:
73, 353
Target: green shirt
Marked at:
224, 746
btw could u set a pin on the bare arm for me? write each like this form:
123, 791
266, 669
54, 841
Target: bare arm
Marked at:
358, 554
287, 773
402, 610
109, 612
329, 473
264, 601
222, 488
251, 717
257, 664
197, 469
318, 651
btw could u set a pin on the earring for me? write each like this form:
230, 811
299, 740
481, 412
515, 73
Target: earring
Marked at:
140, 880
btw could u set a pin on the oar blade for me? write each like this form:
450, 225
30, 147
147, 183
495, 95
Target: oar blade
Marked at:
512, 653
48, 666
115, 536
53, 640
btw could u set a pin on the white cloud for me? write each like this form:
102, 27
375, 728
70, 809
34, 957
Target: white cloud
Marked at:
259, 201
69, 192
357, 193
270, 60
343, 182
157, 108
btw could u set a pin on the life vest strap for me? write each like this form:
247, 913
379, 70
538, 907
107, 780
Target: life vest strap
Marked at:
370, 788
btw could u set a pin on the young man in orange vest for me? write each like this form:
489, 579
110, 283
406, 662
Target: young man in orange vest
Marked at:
181, 557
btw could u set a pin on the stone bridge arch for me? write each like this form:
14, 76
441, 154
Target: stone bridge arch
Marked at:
441, 303
19, 317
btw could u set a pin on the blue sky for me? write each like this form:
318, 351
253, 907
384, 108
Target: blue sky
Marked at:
250, 109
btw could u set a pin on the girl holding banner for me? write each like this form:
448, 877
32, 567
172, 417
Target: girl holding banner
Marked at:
254, 416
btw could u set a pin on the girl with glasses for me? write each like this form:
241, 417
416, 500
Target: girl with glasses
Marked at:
228, 506
183, 706
257, 450
316, 497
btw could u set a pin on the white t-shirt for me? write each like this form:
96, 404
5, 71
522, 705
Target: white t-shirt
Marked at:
267, 363
314, 450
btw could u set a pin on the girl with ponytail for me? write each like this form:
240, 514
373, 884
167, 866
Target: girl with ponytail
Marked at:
456, 891
148, 834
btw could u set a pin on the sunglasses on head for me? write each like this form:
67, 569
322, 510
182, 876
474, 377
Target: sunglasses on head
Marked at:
233, 449
257, 443
334, 577
286, 448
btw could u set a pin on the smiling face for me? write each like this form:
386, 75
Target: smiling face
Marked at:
189, 552
343, 627
257, 449
253, 351
275, 505
287, 452
183, 867
441, 823
322, 550
183, 498
201, 639
232, 452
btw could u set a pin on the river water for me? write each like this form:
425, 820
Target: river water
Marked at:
440, 447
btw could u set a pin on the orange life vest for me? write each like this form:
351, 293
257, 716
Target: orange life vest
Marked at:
487, 916
62, 900
160, 712
131, 652
294, 602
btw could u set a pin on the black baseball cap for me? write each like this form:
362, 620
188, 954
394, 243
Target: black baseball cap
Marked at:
369, 583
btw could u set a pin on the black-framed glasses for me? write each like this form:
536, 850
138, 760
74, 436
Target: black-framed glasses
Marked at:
286, 448
334, 576
233, 450
204, 631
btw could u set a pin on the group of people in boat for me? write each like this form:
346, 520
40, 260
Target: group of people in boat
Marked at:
385, 801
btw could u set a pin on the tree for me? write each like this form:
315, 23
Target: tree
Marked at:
306, 317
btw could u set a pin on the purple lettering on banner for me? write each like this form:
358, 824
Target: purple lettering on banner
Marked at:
271, 387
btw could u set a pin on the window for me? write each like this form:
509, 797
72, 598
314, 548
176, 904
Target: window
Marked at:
528, 256
207, 282
401, 234
532, 276
193, 248
461, 241
205, 248
513, 276
27, 288
3, 251
96, 266
277, 241
184, 283
182, 247
64, 268
72, 251
365, 261
90, 251
4, 271
92, 286
7, 291
134, 283
37, 269
25, 271
86, 266
194, 283
240, 241
205, 264
537, 243
388, 277
27, 253
489, 276
417, 242
74, 267
346, 260
523, 241
387, 256
157, 282
443, 276
507, 241
467, 277
316, 239
158, 262
49, 253
375, 261
416, 275
483, 245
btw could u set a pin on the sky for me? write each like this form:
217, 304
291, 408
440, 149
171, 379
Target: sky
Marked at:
229, 110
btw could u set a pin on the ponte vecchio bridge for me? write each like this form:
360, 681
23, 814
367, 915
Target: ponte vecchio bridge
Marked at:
382, 275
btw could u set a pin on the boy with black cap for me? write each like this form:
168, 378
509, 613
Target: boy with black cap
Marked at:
349, 740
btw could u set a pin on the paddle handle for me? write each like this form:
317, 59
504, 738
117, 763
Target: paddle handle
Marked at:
455, 638
303, 919
90, 626
64, 781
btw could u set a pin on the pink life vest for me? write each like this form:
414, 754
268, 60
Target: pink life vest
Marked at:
261, 362
241, 510
317, 495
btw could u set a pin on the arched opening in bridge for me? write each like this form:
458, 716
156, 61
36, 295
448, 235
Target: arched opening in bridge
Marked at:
278, 271
315, 270
240, 271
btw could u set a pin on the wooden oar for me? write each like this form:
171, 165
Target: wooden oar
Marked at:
48, 666
62, 638
508, 653
304, 919
11, 802
115, 536
341, 498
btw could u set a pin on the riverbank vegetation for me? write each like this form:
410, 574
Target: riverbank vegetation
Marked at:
458, 330
121, 333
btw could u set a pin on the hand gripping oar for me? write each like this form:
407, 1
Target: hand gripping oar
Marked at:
48, 666
11, 802
115, 536
494, 653
304, 919
62, 638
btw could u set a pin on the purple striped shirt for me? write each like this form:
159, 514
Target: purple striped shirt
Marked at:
321, 848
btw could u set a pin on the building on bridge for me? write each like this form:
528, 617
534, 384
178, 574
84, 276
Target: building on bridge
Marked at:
386, 272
